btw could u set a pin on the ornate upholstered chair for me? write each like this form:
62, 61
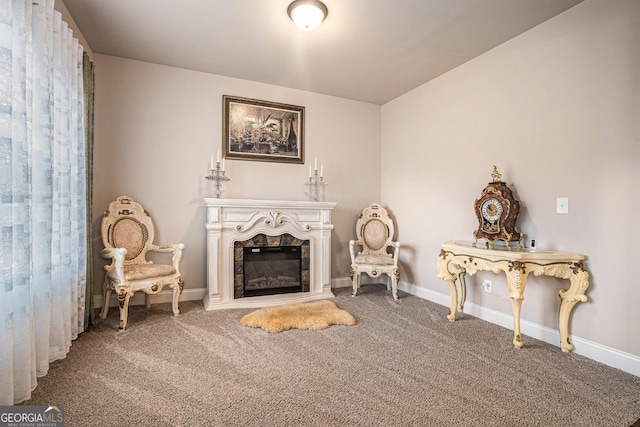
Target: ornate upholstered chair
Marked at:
374, 231
127, 235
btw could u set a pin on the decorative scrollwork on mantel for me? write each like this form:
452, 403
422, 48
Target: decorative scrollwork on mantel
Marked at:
274, 219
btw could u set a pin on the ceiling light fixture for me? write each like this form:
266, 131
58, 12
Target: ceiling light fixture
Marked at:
307, 14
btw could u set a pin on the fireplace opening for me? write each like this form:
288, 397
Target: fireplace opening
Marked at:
272, 270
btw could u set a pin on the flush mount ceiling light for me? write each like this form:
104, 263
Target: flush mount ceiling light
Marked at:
307, 14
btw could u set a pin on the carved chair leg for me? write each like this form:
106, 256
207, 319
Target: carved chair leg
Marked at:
354, 277
123, 301
147, 301
106, 295
355, 284
177, 290
394, 285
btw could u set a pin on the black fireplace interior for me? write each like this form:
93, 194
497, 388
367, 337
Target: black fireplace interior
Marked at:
272, 270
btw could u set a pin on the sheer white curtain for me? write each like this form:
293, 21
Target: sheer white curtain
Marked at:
42, 194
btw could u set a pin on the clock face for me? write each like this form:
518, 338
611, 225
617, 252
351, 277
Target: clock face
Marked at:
491, 210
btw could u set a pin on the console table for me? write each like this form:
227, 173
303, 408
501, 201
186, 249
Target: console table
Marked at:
459, 258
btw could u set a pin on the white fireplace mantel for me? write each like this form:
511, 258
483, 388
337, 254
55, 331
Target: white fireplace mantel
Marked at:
232, 220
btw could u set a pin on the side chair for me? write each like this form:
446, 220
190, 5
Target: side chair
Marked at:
379, 253
127, 236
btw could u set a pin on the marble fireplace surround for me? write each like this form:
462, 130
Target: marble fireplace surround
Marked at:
238, 220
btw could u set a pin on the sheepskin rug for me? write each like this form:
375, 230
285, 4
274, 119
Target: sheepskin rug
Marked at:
312, 315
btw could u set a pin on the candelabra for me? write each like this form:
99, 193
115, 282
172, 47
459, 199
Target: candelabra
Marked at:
218, 177
316, 186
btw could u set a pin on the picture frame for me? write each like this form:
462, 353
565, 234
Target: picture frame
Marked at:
262, 130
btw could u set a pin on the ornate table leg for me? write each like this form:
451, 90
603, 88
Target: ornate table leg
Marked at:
454, 299
579, 283
450, 279
516, 304
462, 291
516, 280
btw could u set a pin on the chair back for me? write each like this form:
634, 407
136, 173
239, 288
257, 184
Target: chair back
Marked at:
374, 230
127, 225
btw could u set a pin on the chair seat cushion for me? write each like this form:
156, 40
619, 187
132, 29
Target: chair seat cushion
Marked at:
374, 259
143, 271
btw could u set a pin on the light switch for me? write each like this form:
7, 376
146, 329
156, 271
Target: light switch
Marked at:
562, 205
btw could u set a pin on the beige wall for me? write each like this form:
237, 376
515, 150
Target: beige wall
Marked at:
156, 128
557, 110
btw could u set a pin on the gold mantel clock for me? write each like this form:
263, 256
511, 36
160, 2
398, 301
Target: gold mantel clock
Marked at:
497, 211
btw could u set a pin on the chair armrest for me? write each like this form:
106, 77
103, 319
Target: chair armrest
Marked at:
166, 248
176, 249
352, 249
117, 255
396, 252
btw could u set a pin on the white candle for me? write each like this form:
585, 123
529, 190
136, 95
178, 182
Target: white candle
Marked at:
218, 156
321, 169
315, 165
211, 162
309, 171
223, 164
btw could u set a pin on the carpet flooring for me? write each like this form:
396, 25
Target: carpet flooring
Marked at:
402, 364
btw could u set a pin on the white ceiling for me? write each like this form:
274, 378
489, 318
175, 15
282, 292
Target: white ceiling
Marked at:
366, 50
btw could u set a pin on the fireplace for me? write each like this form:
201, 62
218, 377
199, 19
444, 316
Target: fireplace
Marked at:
294, 234
270, 265
269, 271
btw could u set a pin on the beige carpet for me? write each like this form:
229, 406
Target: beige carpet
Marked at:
312, 316
403, 364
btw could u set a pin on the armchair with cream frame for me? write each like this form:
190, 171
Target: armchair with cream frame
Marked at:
374, 231
127, 236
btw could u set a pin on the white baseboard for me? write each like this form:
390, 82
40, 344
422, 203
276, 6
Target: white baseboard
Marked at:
162, 297
187, 295
341, 282
609, 356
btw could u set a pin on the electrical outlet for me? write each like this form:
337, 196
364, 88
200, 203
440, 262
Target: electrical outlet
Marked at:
562, 205
486, 286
